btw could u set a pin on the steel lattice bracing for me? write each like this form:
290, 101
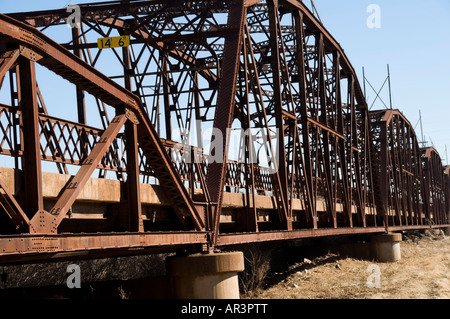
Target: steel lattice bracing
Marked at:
36, 47
400, 169
303, 147
435, 187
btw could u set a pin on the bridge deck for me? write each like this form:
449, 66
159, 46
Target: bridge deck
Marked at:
94, 206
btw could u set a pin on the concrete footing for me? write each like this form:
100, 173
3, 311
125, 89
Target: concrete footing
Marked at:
386, 247
208, 276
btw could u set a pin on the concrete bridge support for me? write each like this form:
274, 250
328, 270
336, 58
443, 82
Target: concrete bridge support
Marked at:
205, 276
386, 247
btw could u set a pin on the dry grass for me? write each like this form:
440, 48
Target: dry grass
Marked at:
123, 294
256, 269
422, 273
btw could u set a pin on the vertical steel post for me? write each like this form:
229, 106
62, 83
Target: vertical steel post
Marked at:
81, 106
135, 222
225, 105
252, 214
383, 173
303, 110
347, 205
31, 160
166, 94
321, 82
279, 119
14, 80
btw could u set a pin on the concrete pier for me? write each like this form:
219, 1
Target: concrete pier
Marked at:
386, 247
205, 276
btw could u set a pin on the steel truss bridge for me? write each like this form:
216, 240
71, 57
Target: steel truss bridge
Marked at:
314, 161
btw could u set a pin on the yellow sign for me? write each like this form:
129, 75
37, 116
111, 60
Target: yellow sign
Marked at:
114, 42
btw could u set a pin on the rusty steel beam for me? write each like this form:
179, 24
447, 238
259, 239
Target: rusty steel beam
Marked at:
305, 120
8, 60
102, 10
13, 209
44, 222
224, 111
281, 176
270, 236
26, 247
134, 222
31, 160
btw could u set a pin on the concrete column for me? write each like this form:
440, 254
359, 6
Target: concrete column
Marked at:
386, 247
208, 276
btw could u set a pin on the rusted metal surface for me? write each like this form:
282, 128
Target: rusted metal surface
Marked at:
447, 191
29, 247
399, 159
243, 238
69, 67
434, 194
329, 166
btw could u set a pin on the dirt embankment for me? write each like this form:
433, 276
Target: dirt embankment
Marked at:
422, 273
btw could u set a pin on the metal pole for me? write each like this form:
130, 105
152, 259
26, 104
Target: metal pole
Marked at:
33, 201
133, 186
389, 80
364, 83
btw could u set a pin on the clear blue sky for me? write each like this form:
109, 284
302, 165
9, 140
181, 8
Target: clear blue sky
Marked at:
413, 40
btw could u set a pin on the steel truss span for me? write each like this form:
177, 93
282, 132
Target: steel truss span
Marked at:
223, 122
